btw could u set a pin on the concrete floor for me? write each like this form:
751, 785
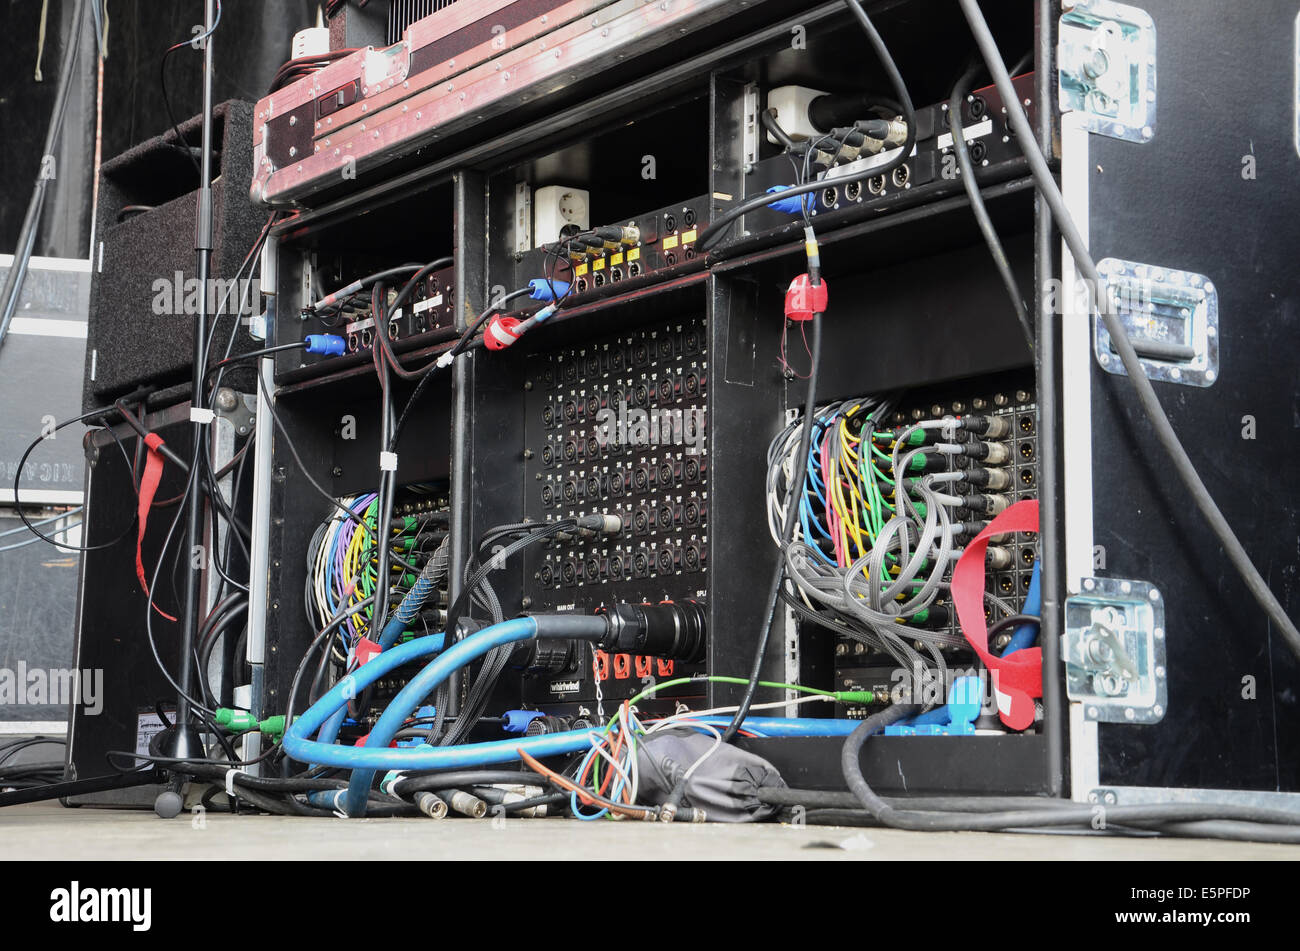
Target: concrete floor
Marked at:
41, 831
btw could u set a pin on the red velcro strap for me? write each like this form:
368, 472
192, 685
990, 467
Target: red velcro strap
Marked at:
1018, 679
153, 468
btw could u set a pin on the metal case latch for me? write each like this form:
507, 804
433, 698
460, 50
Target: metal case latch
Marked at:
1106, 56
1114, 651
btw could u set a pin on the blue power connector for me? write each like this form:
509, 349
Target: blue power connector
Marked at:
955, 718
790, 206
425, 712
517, 720
326, 344
542, 289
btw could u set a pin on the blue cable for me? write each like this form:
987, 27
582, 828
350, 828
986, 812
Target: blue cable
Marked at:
1025, 634
423, 684
575, 805
299, 746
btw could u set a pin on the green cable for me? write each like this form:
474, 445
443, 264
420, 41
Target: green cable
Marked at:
835, 694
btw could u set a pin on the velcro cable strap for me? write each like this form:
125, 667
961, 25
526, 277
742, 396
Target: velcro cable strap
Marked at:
153, 468
1017, 679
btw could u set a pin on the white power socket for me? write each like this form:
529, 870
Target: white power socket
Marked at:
555, 207
790, 105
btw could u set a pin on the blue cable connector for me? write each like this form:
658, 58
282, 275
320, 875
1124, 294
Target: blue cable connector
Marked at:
955, 718
542, 289
517, 720
326, 345
790, 206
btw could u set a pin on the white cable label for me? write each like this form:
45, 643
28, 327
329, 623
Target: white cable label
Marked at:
446, 359
201, 416
388, 462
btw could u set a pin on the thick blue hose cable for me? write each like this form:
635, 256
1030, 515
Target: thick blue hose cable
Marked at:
297, 743
329, 732
299, 746
423, 684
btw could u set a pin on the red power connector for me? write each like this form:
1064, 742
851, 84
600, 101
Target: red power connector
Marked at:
804, 300
501, 332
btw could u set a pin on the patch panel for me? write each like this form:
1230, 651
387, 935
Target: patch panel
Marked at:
664, 246
932, 162
1011, 559
428, 318
619, 426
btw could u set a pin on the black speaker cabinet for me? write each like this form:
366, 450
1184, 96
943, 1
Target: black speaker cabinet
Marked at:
144, 291
121, 711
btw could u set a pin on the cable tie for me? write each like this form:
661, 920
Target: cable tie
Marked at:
388, 461
230, 781
201, 416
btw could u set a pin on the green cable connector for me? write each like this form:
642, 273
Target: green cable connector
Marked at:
405, 523
914, 439
241, 721
236, 721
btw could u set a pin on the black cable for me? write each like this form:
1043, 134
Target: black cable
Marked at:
548, 799
381, 335
768, 118
967, 168
1011, 620
127, 210
1037, 816
1137, 377
255, 354
356, 287
413, 782
293, 451
18, 472
787, 534
194, 42
318, 644
460, 347
305, 65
